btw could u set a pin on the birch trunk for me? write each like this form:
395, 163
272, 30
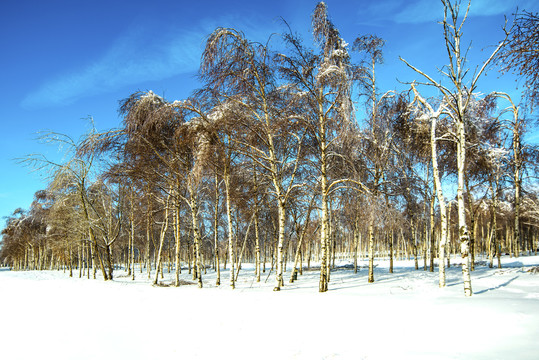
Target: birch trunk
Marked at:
463, 229
432, 234
324, 242
299, 253
257, 234
371, 251
132, 235
472, 225
495, 243
162, 234
280, 245
196, 236
177, 234
357, 239
441, 203
215, 233
148, 240
108, 252
92, 237
414, 239
516, 151
226, 177
238, 265
257, 247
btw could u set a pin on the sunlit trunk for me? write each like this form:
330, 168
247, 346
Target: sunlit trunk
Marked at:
280, 245
196, 236
216, 233
162, 234
463, 229
371, 251
441, 202
177, 238
231, 259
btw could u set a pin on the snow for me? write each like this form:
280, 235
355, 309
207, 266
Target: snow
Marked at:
327, 70
47, 315
152, 97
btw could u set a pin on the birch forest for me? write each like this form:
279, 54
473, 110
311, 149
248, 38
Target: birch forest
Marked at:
292, 158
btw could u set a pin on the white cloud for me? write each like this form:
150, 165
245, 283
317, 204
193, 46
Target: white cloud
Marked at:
134, 57
137, 56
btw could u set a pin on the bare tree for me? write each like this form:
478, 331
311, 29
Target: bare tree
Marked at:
520, 54
431, 116
324, 82
240, 73
457, 94
75, 173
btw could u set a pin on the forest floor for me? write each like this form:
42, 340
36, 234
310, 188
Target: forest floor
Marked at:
404, 315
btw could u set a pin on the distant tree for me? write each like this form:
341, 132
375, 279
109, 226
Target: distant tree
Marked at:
77, 173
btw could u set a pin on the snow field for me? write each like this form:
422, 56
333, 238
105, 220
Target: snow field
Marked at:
47, 315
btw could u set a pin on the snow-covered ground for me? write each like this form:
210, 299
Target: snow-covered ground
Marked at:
47, 315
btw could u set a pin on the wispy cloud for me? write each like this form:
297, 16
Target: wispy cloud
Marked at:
134, 57
419, 11
137, 56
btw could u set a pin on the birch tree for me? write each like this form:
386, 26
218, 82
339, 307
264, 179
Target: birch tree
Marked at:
431, 116
77, 173
457, 93
324, 81
240, 72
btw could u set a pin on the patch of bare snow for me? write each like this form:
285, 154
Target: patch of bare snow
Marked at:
47, 315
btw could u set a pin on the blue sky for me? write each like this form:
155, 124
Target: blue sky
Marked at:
63, 61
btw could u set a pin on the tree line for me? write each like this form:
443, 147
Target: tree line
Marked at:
290, 155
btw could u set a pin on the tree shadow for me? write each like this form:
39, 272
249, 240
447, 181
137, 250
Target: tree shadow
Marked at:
496, 287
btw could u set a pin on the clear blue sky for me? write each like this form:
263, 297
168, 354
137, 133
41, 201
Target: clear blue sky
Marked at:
62, 61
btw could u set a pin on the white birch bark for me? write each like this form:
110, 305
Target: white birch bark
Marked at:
230, 230
177, 263
441, 203
215, 233
433, 116
196, 236
162, 234
463, 229
371, 252
280, 245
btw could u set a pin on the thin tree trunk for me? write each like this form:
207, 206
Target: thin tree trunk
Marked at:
149, 221
238, 265
390, 241
230, 231
357, 240
257, 247
300, 240
132, 235
414, 239
161, 240
472, 225
177, 237
196, 236
432, 234
371, 251
216, 233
